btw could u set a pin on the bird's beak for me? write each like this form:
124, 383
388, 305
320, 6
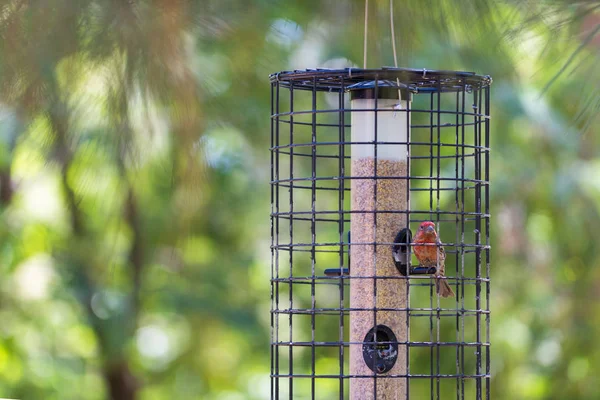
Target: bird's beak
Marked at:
430, 229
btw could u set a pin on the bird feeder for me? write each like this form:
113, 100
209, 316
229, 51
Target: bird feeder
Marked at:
360, 157
379, 154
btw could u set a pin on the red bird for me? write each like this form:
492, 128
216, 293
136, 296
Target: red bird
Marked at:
432, 256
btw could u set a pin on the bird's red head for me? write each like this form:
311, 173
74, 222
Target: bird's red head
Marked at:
427, 228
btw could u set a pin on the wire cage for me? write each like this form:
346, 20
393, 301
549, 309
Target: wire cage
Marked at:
360, 158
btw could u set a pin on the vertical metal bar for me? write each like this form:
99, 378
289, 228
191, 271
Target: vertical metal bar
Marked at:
462, 242
341, 192
313, 224
477, 134
277, 237
487, 240
273, 348
291, 225
431, 287
431, 126
375, 178
457, 238
437, 216
408, 181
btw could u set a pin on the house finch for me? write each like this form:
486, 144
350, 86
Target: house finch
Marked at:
432, 256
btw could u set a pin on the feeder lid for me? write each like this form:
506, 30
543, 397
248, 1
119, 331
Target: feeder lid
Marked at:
371, 85
385, 89
415, 80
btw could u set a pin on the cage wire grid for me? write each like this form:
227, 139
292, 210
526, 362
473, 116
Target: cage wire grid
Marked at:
447, 347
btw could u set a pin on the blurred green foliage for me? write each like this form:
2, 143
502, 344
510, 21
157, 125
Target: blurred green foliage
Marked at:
134, 185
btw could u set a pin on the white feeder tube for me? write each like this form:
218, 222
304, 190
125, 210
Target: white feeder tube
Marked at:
391, 127
369, 261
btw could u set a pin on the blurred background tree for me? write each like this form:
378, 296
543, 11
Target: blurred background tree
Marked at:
134, 188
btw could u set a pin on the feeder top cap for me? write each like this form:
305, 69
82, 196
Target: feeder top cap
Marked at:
383, 89
412, 80
373, 84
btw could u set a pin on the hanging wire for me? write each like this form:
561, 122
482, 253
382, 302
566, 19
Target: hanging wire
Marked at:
394, 50
393, 34
366, 34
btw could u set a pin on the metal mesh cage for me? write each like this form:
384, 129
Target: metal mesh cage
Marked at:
329, 248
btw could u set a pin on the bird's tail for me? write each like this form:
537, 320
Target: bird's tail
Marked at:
442, 287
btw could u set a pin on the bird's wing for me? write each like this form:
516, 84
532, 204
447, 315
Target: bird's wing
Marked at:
441, 251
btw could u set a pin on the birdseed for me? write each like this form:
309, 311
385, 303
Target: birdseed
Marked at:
376, 260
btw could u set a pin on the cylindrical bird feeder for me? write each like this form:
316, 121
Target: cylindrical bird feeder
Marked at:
359, 159
380, 128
